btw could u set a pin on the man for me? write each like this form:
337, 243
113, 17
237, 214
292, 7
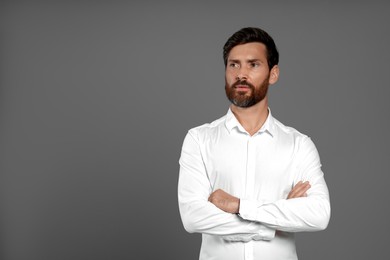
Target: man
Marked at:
247, 182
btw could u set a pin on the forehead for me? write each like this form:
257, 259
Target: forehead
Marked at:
252, 50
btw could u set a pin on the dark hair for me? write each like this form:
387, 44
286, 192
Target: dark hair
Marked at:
251, 34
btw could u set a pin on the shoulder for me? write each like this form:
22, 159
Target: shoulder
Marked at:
284, 131
208, 130
290, 136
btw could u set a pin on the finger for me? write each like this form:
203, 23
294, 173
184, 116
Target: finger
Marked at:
302, 190
299, 190
296, 189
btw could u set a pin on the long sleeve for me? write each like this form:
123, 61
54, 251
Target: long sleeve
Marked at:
197, 213
309, 213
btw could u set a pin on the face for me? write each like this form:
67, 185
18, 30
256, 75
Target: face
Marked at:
247, 74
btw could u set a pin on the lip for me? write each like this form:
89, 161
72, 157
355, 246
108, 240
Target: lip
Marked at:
242, 88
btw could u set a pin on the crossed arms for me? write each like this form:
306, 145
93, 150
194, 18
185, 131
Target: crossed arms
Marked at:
203, 210
231, 204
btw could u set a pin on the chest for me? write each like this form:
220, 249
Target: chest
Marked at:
251, 167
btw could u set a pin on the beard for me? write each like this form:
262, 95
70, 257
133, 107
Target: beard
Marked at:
247, 98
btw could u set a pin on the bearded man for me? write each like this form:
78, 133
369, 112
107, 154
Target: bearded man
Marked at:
247, 182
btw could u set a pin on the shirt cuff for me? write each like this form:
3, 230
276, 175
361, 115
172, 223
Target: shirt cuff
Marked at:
264, 233
239, 237
248, 211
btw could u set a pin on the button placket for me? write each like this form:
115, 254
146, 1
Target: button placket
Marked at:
248, 248
250, 171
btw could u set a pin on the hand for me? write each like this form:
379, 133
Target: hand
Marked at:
299, 190
225, 201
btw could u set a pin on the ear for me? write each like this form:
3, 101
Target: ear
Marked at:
274, 75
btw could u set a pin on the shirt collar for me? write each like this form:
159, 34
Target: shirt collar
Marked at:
231, 122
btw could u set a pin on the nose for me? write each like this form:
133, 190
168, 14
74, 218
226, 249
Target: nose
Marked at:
242, 74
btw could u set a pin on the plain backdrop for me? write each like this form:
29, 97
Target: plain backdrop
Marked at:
97, 96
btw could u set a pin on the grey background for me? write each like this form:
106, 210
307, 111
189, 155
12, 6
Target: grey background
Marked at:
96, 98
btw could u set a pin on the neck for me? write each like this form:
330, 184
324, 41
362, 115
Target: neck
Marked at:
252, 118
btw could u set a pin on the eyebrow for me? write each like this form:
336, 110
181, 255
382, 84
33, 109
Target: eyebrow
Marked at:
248, 61
254, 60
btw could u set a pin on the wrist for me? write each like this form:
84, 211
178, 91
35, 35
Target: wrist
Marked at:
236, 209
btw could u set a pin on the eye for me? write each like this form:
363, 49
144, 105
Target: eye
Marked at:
234, 65
255, 64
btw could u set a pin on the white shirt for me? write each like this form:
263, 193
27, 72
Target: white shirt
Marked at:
260, 170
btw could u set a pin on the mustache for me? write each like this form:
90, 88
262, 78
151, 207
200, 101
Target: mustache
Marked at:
242, 83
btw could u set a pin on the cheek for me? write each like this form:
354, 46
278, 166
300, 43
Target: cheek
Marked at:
259, 79
229, 78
